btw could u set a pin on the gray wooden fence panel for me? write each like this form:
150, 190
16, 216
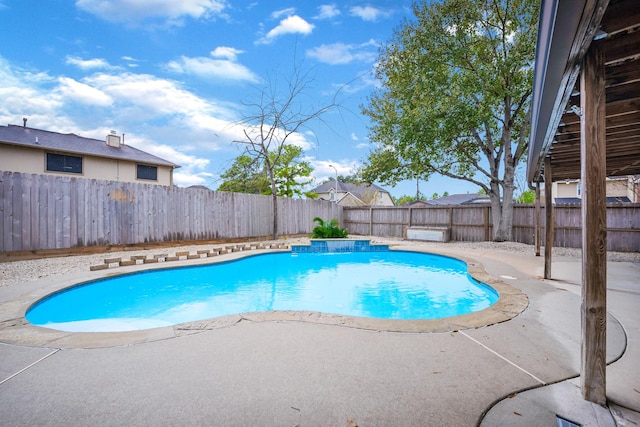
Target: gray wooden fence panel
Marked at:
47, 211
473, 223
5, 205
627, 217
568, 229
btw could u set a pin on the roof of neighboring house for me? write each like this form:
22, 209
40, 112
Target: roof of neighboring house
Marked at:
74, 144
577, 201
459, 199
358, 190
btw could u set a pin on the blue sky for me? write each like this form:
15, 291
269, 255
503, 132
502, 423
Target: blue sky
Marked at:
175, 76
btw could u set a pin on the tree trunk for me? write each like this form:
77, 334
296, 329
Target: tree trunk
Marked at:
275, 215
503, 231
502, 212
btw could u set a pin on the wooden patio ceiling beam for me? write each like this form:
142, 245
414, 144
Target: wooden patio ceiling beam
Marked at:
613, 133
617, 93
620, 16
614, 122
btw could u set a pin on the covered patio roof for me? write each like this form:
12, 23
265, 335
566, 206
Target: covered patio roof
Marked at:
566, 31
589, 131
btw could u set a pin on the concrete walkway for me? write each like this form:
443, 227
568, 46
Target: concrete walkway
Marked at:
520, 372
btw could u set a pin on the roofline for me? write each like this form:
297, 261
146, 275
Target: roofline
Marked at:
552, 51
559, 53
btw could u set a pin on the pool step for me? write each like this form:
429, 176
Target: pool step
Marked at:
186, 255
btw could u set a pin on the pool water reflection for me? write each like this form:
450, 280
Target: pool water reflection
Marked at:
385, 285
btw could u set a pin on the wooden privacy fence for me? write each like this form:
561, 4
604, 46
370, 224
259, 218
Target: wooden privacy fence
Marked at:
48, 212
473, 223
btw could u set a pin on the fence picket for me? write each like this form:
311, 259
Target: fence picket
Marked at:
47, 211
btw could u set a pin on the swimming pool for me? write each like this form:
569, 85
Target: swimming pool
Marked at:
386, 285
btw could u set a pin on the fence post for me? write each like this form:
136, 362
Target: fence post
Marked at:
486, 224
370, 220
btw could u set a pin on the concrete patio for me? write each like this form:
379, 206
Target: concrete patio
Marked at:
522, 372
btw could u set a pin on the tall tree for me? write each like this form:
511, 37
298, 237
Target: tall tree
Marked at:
455, 98
291, 173
245, 175
249, 175
279, 114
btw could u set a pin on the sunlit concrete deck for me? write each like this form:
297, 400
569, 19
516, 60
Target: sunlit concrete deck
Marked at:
294, 372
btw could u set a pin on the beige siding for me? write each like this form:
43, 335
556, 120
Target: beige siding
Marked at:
565, 189
618, 188
21, 159
29, 160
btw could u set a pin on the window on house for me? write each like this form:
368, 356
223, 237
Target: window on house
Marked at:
147, 172
579, 189
332, 195
64, 163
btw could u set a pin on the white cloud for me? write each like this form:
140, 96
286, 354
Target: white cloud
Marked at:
327, 11
87, 64
80, 92
354, 137
340, 53
363, 145
157, 115
284, 12
226, 52
290, 25
192, 168
209, 68
368, 13
184, 178
136, 11
324, 169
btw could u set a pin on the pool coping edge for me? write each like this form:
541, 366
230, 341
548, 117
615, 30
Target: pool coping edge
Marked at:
15, 329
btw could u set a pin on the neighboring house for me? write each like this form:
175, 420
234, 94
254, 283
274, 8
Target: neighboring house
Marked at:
348, 194
459, 199
28, 150
619, 190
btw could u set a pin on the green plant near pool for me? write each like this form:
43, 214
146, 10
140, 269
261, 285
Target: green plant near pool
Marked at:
327, 229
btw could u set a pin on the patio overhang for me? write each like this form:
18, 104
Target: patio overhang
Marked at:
586, 125
566, 31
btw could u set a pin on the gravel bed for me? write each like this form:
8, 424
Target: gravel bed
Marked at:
14, 273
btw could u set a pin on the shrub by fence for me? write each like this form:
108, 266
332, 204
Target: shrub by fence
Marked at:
473, 223
46, 212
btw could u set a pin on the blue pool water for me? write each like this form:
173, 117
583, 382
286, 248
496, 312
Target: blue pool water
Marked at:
388, 285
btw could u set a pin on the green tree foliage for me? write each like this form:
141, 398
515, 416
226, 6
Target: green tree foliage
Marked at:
248, 175
245, 175
291, 173
454, 98
405, 200
527, 196
352, 179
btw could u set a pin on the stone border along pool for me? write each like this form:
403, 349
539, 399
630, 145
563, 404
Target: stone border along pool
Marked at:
15, 329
